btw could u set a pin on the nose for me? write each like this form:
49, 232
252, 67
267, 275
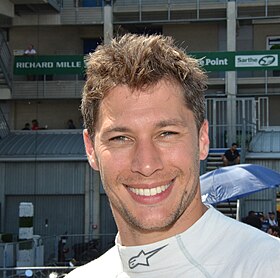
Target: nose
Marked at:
146, 158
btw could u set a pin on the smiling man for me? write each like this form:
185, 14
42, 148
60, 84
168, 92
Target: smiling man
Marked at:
146, 132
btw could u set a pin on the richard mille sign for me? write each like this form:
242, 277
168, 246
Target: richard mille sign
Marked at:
59, 64
48, 65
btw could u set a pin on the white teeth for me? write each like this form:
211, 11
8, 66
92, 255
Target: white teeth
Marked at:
153, 191
149, 192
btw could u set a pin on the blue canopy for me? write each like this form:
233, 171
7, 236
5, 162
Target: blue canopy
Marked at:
233, 182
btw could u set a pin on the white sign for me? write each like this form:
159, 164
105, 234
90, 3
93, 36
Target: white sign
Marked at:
242, 61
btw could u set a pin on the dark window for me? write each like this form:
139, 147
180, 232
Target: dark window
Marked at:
91, 44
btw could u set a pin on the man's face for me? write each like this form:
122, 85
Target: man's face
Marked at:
234, 147
147, 149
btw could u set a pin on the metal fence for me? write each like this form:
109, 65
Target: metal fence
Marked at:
53, 256
5, 60
248, 116
4, 127
51, 272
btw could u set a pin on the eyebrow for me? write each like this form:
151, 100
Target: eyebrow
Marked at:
170, 122
116, 129
160, 124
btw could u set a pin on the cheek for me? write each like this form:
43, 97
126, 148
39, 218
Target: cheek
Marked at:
112, 163
185, 153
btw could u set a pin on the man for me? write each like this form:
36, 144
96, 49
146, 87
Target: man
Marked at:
271, 219
26, 126
143, 107
274, 231
35, 125
30, 50
253, 219
231, 156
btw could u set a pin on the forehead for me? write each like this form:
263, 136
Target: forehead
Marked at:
163, 91
161, 101
167, 88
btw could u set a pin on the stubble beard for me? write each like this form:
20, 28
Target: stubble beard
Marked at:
140, 225
168, 222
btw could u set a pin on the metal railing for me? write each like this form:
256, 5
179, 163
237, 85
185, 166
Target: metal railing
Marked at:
5, 60
131, 11
48, 89
40, 272
54, 254
168, 10
4, 127
247, 117
257, 9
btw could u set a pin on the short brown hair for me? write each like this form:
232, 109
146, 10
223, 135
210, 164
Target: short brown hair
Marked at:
140, 61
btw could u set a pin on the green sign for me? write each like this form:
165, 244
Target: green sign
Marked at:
49, 65
236, 61
210, 61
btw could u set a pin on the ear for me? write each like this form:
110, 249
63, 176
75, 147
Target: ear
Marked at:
90, 151
203, 141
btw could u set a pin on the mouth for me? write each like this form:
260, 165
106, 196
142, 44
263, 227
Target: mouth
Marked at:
148, 192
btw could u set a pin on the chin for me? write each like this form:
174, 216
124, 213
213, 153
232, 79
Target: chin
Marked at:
155, 224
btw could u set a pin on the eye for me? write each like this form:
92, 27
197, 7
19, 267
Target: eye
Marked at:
120, 138
168, 133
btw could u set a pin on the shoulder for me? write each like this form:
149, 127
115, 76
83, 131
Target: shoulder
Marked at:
246, 235
248, 249
108, 265
227, 152
219, 223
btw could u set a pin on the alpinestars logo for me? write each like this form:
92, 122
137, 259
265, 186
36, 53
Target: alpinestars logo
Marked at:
143, 258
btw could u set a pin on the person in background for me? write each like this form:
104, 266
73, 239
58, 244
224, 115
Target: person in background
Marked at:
231, 156
145, 132
274, 231
271, 219
70, 124
26, 126
30, 50
253, 220
35, 125
264, 221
